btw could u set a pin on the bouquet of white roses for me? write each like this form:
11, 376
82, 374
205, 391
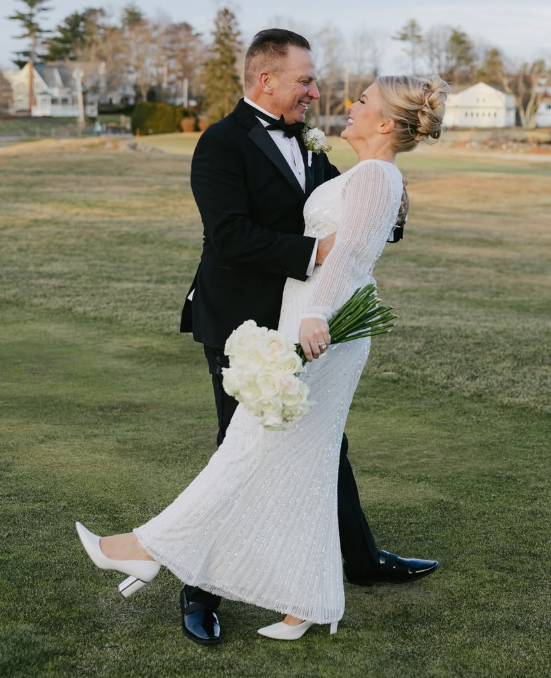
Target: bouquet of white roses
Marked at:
263, 374
265, 364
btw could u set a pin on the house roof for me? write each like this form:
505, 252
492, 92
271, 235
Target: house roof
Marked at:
55, 76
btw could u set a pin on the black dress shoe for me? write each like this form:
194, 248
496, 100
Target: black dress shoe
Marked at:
200, 624
394, 570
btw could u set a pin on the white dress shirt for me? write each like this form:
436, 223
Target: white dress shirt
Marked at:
290, 150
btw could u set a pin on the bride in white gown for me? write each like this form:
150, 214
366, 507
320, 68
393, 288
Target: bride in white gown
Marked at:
259, 523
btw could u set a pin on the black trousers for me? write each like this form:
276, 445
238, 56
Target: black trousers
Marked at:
359, 551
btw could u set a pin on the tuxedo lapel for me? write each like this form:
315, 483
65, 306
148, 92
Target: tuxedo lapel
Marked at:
265, 143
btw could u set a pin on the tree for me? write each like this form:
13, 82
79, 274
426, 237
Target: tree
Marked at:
132, 15
222, 83
30, 23
462, 58
143, 53
492, 70
528, 86
328, 52
366, 50
183, 52
69, 39
32, 29
437, 49
412, 36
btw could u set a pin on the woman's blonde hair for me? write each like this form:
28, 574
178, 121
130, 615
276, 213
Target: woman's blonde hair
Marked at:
417, 106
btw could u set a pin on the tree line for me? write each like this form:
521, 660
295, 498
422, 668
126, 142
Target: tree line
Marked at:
172, 62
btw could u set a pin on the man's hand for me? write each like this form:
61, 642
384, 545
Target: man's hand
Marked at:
325, 245
313, 336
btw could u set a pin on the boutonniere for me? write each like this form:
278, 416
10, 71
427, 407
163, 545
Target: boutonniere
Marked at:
315, 140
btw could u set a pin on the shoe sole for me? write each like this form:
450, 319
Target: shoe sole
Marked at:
200, 641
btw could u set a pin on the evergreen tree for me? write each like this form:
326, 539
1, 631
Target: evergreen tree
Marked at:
68, 40
132, 15
462, 57
29, 19
412, 36
492, 71
222, 84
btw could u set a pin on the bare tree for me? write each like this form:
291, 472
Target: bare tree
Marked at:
365, 54
412, 37
183, 56
328, 50
437, 49
528, 85
142, 46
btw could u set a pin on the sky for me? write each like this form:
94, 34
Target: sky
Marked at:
521, 29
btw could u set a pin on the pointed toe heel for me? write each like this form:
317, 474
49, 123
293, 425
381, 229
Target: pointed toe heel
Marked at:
283, 631
140, 572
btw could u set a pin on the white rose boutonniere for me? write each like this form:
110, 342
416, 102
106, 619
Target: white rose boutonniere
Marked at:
315, 140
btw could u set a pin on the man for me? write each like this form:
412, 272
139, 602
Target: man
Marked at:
251, 175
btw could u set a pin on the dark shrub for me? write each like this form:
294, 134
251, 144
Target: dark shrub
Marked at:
154, 118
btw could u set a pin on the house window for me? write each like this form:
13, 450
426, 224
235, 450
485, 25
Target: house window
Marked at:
55, 102
495, 115
64, 102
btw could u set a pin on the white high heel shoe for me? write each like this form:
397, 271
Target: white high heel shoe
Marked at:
283, 631
141, 571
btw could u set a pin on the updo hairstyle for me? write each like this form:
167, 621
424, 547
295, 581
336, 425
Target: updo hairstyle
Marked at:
417, 106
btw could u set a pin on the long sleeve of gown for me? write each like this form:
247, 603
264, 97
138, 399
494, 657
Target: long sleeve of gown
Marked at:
369, 212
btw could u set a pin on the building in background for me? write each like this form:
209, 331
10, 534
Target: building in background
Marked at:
544, 112
480, 106
54, 90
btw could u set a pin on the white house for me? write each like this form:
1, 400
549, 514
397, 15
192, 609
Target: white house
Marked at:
54, 92
544, 112
480, 106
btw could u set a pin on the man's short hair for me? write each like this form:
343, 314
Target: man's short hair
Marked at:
267, 48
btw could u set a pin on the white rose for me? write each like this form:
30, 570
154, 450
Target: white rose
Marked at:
239, 337
289, 364
268, 382
271, 412
289, 385
317, 137
231, 381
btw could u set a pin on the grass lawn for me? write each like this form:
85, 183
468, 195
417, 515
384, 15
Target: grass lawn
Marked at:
107, 414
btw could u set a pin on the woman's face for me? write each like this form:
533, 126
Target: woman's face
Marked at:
366, 115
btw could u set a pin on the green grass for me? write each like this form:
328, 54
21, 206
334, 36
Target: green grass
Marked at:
107, 414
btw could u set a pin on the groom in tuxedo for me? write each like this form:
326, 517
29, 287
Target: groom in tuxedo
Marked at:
251, 175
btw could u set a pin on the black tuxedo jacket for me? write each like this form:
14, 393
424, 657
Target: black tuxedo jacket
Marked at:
251, 207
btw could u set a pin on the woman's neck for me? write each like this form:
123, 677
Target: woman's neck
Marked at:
372, 152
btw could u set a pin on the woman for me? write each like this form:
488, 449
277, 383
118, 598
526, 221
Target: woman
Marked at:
259, 523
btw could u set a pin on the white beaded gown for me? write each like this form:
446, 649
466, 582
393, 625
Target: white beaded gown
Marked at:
259, 523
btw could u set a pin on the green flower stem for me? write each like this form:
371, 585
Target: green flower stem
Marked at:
360, 317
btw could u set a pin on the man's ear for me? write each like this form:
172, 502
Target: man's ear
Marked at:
386, 127
265, 81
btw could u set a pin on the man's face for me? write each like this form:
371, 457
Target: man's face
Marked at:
294, 85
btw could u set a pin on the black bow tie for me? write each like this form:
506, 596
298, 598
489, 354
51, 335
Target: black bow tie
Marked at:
293, 130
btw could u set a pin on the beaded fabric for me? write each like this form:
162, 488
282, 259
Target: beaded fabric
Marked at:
259, 523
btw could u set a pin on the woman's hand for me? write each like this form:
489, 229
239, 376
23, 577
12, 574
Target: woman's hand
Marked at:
314, 337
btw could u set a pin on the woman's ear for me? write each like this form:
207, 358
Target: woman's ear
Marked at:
386, 127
